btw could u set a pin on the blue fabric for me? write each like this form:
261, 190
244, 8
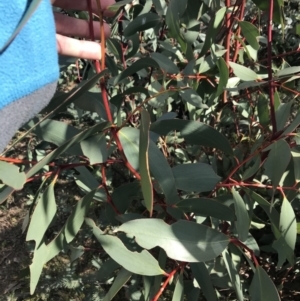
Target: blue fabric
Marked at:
30, 62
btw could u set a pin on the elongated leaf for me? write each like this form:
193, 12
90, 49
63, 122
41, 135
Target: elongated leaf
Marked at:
206, 207
116, 6
242, 223
263, 110
174, 11
213, 30
282, 114
224, 76
121, 279
296, 161
11, 175
75, 139
135, 67
159, 167
233, 274
165, 63
243, 72
277, 161
43, 215
250, 32
195, 177
192, 97
94, 148
285, 244
32, 6
178, 291
144, 161
295, 123
142, 263
287, 71
193, 132
262, 288
183, 240
141, 23
202, 276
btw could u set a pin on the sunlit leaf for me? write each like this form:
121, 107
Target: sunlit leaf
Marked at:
183, 240
10, 175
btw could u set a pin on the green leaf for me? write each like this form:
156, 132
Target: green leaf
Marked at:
32, 6
142, 263
285, 245
192, 97
224, 76
277, 161
282, 114
116, 6
75, 139
243, 72
184, 241
295, 123
252, 170
296, 159
243, 222
115, 47
250, 32
144, 161
43, 215
11, 175
174, 11
206, 207
233, 274
179, 289
287, 71
202, 276
165, 63
263, 110
94, 148
193, 132
122, 277
135, 67
130, 140
213, 30
262, 288
141, 23
198, 177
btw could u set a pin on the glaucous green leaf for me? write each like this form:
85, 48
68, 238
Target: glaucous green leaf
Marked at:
206, 207
193, 132
146, 182
202, 276
183, 240
43, 215
140, 64
262, 288
11, 176
94, 148
277, 161
141, 263
116, 6
122, 277
192, 97
179, 289
287, 71
282, 114
213, 30
285, 245
141, 23
296, 160
224, 76
165, 63
263, 110
250, 32
233, 274
243, 72
198, 177
243, 222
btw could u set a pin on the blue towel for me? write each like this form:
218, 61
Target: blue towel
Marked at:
28, 66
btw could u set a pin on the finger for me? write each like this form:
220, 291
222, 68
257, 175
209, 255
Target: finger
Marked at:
77, 27
83, 5
80, 49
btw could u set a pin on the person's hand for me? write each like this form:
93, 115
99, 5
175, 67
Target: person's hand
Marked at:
67, 26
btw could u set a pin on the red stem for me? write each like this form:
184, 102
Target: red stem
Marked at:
271, 84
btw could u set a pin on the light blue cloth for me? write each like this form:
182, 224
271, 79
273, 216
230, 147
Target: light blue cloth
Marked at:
27, 65
30, 61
